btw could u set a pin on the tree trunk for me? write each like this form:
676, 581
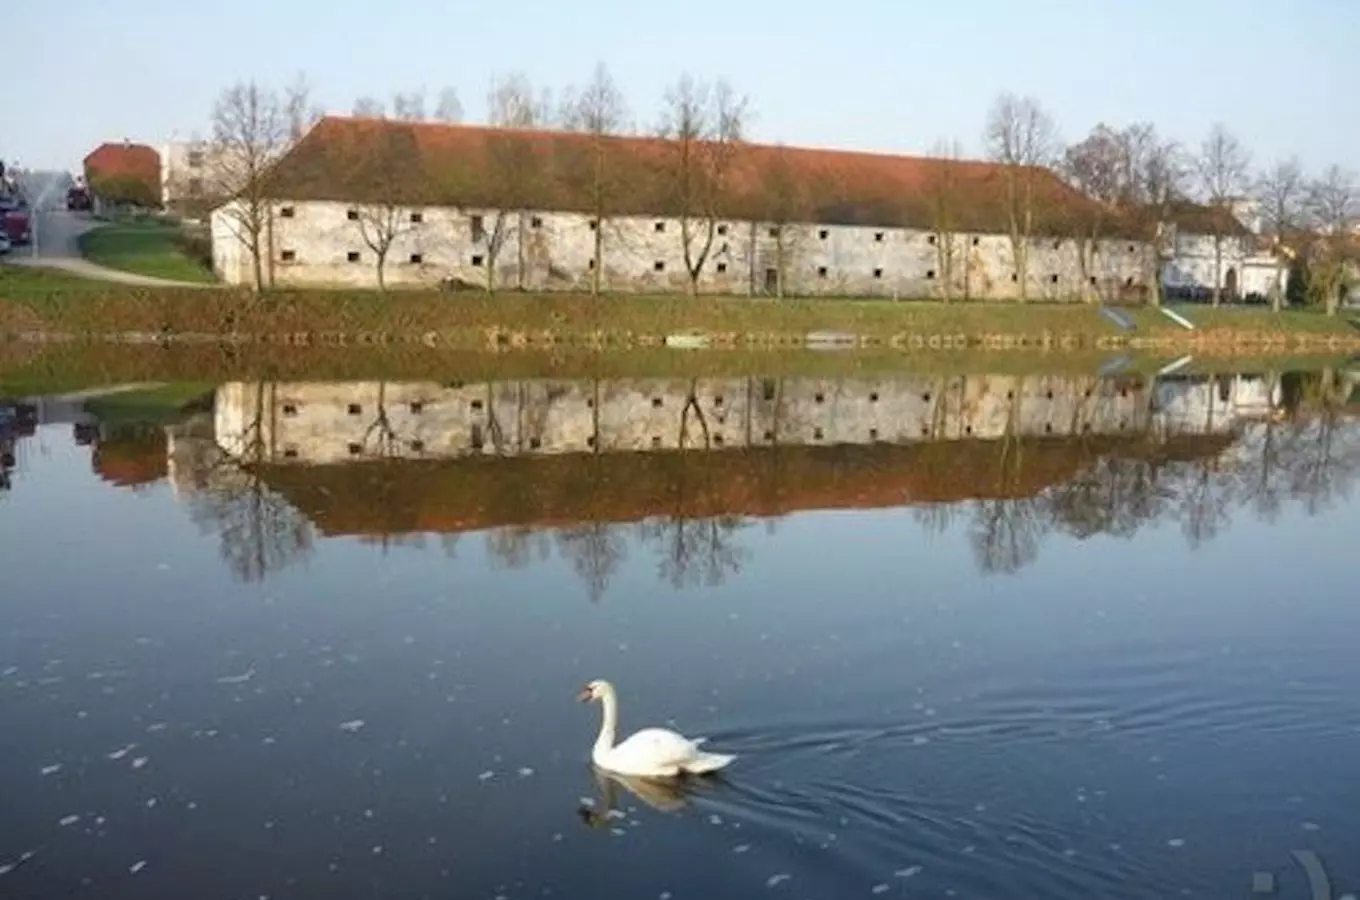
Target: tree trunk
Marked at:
599, 256
1277, 290
382, 265
1218, 269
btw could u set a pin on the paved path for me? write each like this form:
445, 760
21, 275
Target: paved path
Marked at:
56, 233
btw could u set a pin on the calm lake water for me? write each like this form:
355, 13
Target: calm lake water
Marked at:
980, 637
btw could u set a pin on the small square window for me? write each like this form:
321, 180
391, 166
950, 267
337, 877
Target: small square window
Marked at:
288, 255
476, 404
591, 265
535, 443
930, 274
722, 230
286, 212
355, 409
656, 402
1093, 281
722, 267
536, 222
477, 260
1053, 278
659, 266
774, 232
355, 449
931, 240
352, 256
592, 224
290, 409
417, 259
878, 273
823, 234
821, 271
417, 407
816, 434
660, 226
977, 241
1014, 277
417, 446
290, 452
417, 217
878, 236
352, 215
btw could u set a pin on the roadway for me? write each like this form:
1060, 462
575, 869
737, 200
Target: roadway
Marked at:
56, 234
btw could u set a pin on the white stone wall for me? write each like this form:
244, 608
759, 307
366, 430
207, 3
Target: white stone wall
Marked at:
323, 245
337, 422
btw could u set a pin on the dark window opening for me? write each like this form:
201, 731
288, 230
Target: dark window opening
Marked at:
878, 273
352, 256
660, 226
722, 230
536, 222
477, 261
417, 258
288, 255
355, 409
930, 274
722, 267
417, 218
659, 266
823, 234
878, 236
821, 271
352, 215
286, 212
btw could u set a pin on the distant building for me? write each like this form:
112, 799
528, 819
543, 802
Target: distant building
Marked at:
124, 174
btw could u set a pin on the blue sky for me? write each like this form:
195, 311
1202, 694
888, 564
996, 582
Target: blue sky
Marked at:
885, 75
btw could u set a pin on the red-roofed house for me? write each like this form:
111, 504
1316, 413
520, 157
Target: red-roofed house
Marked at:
124, 174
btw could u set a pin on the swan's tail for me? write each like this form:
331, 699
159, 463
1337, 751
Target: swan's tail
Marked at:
703, 763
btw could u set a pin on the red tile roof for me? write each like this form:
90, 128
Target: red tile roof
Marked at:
378, 161
124, 160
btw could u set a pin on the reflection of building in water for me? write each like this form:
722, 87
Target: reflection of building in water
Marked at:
328, 422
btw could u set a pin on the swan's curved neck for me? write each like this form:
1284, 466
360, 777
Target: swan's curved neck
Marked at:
609, 725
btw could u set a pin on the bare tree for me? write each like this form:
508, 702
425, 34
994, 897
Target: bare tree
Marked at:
703, 124
596, 172
1281, 193
943, 186
387, 163
409, 106
786, 204
448, 108
1224, 168
1157, 172
1098, 167
250, 134
1333, 207
298, 108
1022, 137
513, 172
369, 108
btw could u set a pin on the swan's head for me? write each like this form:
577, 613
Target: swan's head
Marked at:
593, 691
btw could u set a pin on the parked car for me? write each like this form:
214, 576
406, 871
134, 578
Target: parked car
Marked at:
78, 199
4, 244
15, 222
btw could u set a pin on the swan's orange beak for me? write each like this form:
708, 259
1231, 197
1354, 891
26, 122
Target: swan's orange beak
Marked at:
584, 696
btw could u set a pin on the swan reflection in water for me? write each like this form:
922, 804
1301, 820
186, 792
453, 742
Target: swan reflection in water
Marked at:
664, 795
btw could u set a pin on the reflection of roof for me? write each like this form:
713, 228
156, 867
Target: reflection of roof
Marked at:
380, 161
474, 493
132, 462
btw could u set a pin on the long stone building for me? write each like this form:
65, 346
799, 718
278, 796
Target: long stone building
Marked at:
363, 202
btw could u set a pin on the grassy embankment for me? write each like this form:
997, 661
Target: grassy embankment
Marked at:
149, 247
46, 303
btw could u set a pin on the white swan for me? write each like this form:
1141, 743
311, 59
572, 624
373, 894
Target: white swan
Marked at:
651, 752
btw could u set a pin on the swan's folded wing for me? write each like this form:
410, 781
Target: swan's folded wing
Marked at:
656, 747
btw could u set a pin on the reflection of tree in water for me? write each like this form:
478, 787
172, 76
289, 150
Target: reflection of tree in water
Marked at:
1006, 528
696, 552
260, 532
516, 546
595, 550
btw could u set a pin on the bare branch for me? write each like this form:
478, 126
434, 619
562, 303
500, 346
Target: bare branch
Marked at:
1022, 137
448, 108
703, 124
